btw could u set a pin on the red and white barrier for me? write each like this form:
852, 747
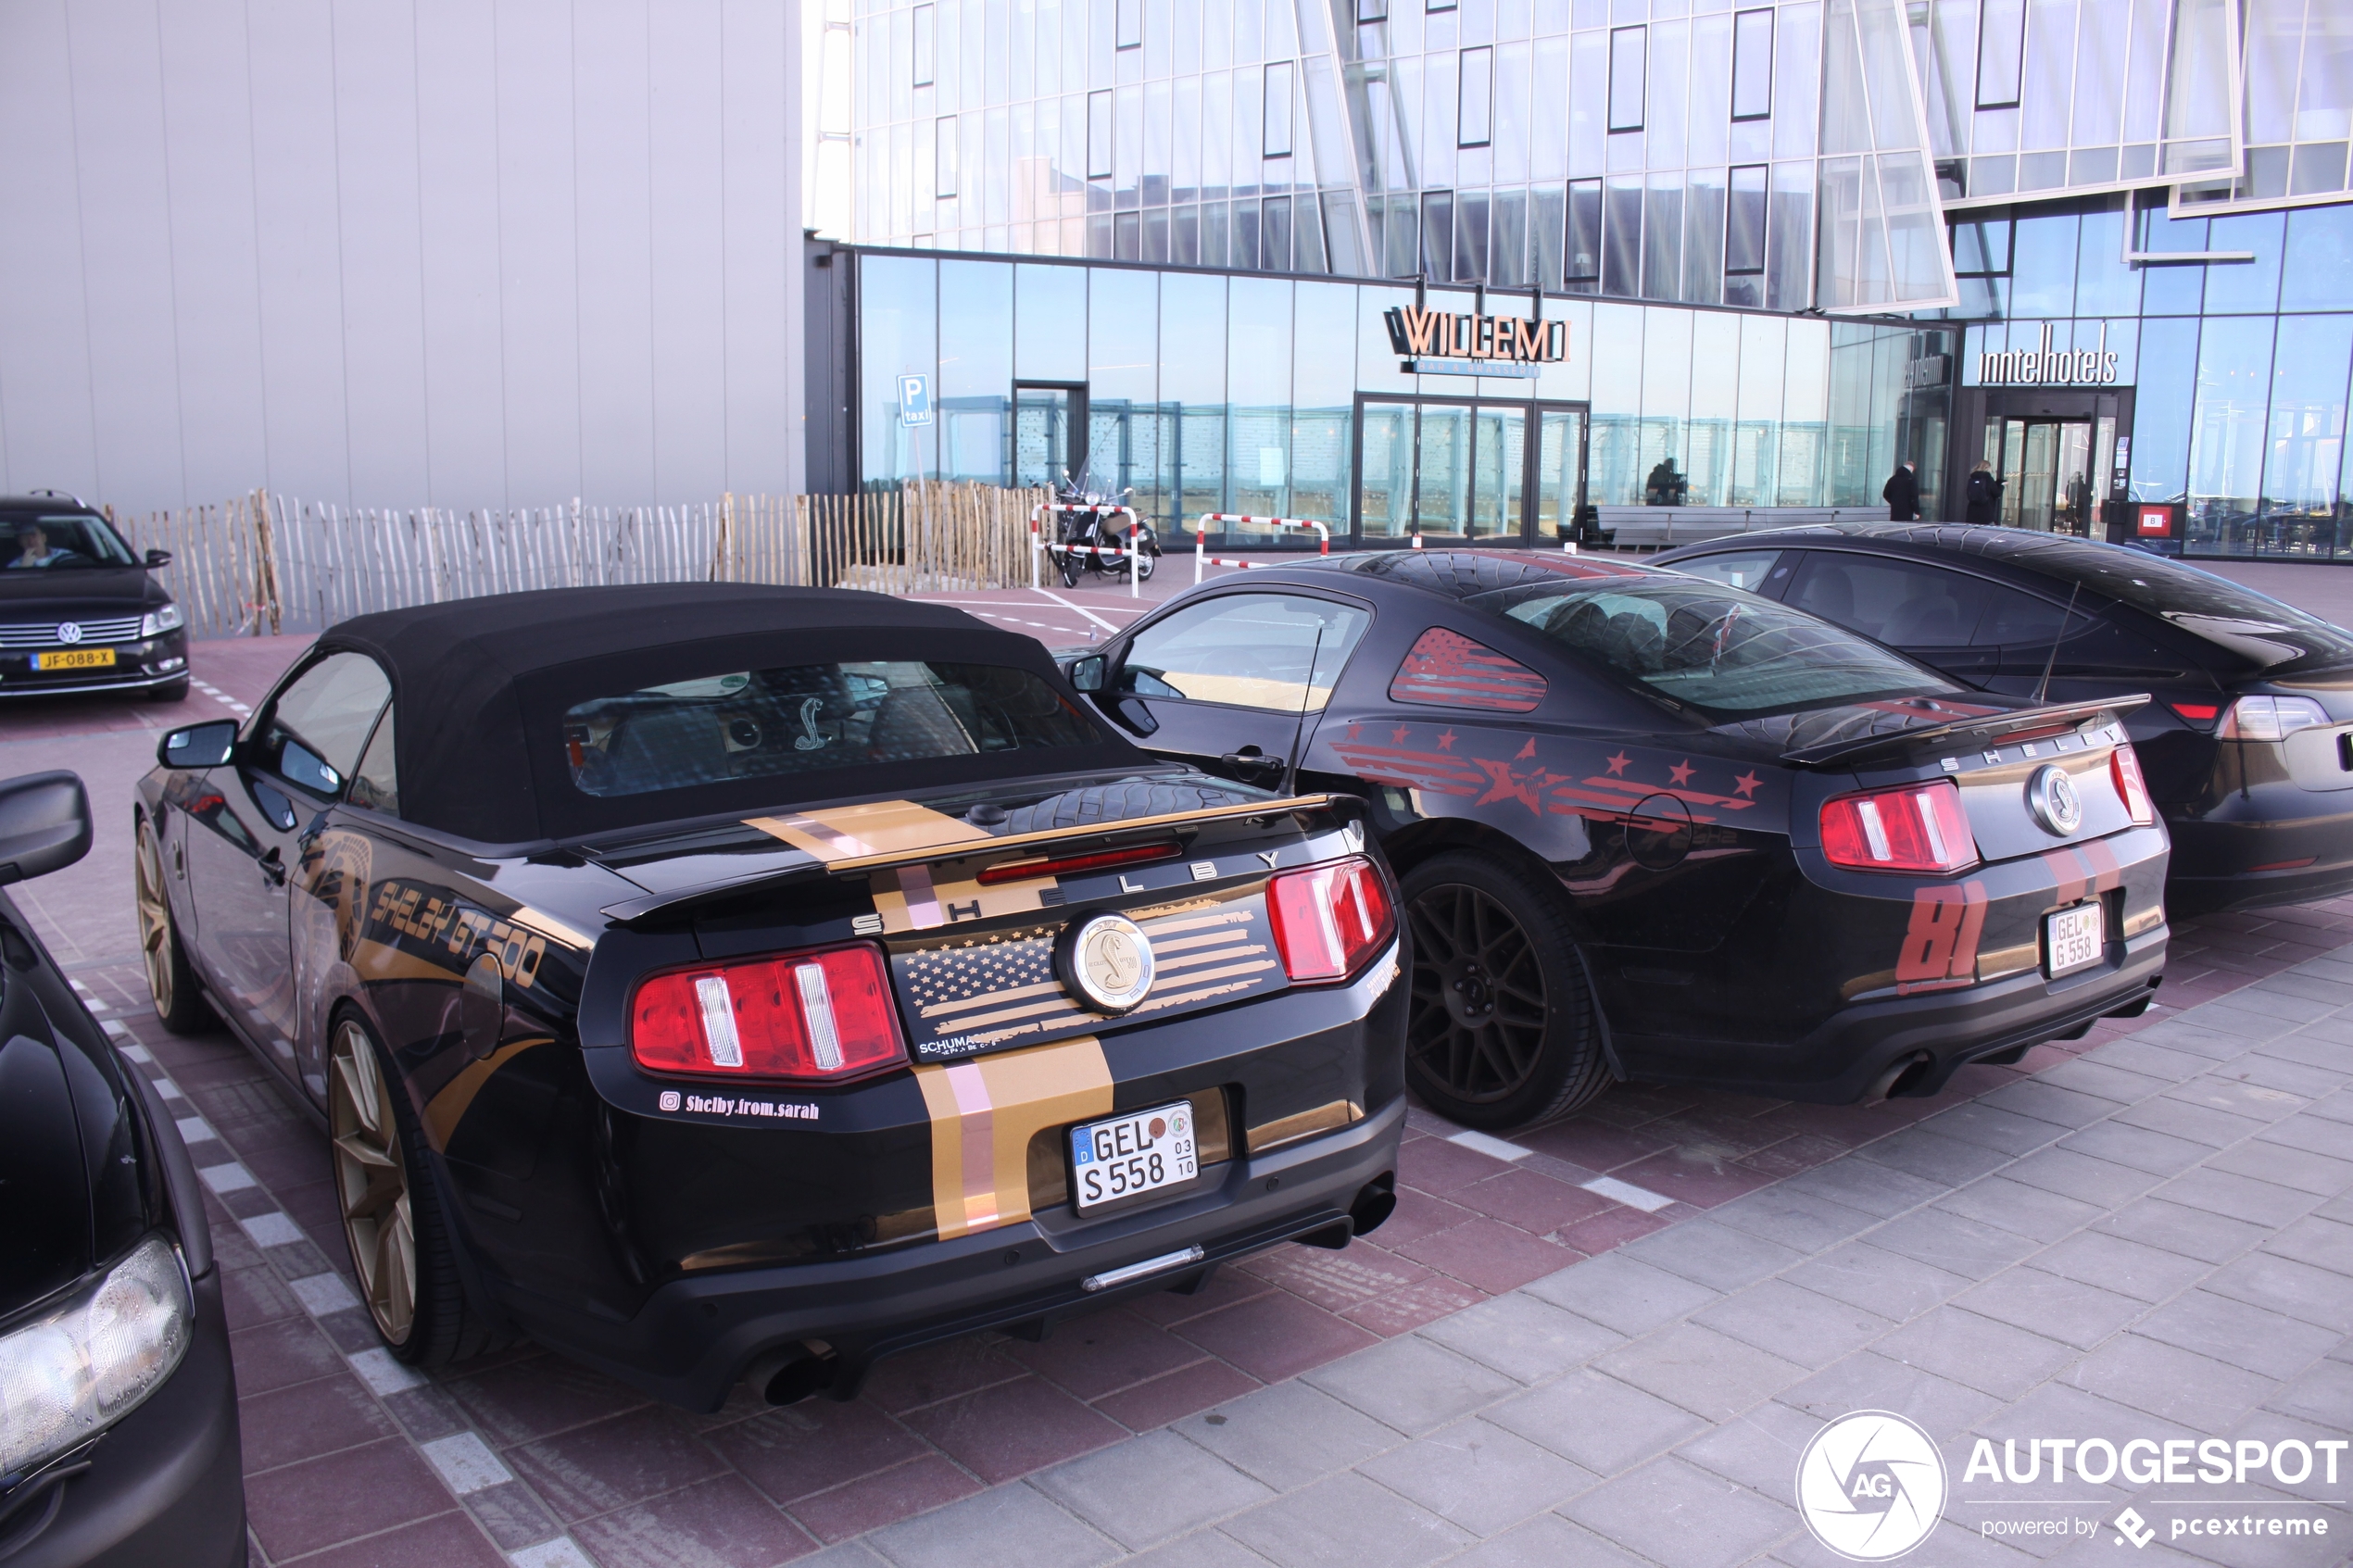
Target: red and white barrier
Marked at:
1201, 557
1039, 546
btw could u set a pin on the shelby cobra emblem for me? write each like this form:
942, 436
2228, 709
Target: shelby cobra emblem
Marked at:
1108, 962
2050, 795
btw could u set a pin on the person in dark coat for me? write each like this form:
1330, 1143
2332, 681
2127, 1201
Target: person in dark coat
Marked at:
1901, 494
1985, 496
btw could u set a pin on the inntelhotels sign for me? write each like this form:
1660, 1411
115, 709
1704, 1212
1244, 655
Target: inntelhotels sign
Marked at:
2046, 367
1450, 343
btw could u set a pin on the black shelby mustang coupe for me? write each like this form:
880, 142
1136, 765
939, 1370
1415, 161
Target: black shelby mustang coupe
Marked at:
718, 979
1650, 826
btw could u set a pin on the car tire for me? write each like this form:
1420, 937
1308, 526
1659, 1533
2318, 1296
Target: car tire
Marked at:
402, 1249
1500, 1030
171, 979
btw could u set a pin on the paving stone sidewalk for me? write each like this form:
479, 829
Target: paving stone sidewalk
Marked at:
2154, 1240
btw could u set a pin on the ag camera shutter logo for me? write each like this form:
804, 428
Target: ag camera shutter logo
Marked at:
1870, 1486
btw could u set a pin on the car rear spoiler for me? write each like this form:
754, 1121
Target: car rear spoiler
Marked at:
675, 899
1981, 733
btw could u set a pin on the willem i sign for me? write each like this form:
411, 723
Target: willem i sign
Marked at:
1448, 343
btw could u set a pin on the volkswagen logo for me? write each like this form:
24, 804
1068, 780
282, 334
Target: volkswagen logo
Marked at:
69, 633
1870, 1486
2050, 795
1108, 962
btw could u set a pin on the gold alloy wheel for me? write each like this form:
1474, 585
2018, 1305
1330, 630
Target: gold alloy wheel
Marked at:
155, 921
371, 1182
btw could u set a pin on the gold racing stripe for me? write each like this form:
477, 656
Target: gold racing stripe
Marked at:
984, 1113
879, 827
382, 960
446, 1108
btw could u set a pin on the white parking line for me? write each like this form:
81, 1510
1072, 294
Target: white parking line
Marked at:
272, 1229
193, 1129
231, 1177
1494, 1148
322, 1295
221, 698
1082, 610
466, 1462
561, 1552
1626, 1193
140, 1054
383, 1374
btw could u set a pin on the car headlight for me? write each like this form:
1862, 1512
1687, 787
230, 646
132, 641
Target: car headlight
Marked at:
72, 1372
157, 622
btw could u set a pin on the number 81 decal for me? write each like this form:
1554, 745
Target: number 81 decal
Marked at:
1940, 946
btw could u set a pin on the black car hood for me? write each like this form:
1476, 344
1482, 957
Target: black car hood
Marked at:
84, 591
71, 1157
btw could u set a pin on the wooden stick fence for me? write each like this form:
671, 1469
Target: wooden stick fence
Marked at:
265, 564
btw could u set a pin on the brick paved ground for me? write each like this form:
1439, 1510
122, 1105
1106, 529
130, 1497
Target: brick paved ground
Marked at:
352, 1459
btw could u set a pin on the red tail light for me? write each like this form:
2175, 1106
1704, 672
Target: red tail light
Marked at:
1917, 828
1329, 920
2124, 772
821, 1014
2197, 712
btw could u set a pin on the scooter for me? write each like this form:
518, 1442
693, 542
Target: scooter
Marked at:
1089, 541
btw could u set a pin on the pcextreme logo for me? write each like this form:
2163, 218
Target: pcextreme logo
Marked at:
1870, 1486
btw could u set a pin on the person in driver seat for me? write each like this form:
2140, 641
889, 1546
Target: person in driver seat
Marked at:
32, 549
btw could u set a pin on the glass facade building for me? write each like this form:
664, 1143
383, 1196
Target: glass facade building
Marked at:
2102, 245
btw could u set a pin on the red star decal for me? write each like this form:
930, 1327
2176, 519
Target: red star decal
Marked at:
1398, 734
1617, 765
1746, 784
1525, 752
1680, 772
1355, 730
1505, 784
1446, 741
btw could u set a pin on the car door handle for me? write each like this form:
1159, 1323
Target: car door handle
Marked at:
273, 867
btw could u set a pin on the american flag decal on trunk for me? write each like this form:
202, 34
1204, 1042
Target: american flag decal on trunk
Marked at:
1449, 669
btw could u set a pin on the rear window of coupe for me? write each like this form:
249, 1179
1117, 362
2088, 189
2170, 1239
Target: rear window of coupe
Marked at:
812, 718
1714, 648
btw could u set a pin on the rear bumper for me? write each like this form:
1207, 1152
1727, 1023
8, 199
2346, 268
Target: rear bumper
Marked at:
166, 1486
695, 1336
2240, 865
1860, 1049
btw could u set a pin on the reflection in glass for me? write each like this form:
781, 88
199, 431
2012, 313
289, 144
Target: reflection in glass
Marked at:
1501, 455
2227, 431
1387, 494
1442, 495
1560, 458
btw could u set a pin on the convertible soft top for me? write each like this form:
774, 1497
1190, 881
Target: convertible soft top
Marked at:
481, 687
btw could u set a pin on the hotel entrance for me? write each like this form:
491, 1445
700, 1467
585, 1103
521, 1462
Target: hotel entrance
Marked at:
1467, 469
2059, 455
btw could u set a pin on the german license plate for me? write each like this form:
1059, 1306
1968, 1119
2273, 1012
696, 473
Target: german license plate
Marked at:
1141, 1152
74, 659
2072, 939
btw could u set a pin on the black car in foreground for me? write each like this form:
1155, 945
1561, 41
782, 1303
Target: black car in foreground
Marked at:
2248, 743
79, 611
718, 981
1647, 826
117, 1405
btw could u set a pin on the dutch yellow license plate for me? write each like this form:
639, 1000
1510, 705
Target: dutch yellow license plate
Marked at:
75, 658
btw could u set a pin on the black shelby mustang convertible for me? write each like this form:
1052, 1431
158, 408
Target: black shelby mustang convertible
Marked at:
718, 979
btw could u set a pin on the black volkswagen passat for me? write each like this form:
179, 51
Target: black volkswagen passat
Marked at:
1650, 827
2248, 746
118, 1406
715, 980
79, 612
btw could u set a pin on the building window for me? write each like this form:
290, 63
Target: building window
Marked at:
1753, 65
922, 46
1474, 111
1744, 237
2001, 51
1276, 120
1627, 48
1372, 10
1131, 24
1099, 135
1584, 258
944, 156
1435, 5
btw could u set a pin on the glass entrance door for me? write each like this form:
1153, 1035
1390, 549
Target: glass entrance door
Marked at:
2050, 470
1468, 471
1046, 421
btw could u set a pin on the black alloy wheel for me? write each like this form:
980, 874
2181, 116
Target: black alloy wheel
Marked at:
1500, 1030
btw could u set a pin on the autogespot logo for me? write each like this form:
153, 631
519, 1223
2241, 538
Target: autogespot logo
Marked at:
1871, 1486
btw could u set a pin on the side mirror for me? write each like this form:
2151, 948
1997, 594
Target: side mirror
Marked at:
45, 825
306, 768
1086, 674
199, 745
159, 558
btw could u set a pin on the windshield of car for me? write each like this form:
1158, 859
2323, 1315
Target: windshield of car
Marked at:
811, 718
41, 542
1714, 648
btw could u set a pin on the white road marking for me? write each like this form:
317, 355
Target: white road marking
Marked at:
140, 1054
1627, 1193
1081, 609
323, 1294
115, 1027
194, 1129
561, 1552
221, 698
168, 1089
231, 1177
1494, 1148
383, 1374
272, 1229
466, 1462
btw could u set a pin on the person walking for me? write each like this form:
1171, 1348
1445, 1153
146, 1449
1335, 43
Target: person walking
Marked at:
1901, 494
1985, 496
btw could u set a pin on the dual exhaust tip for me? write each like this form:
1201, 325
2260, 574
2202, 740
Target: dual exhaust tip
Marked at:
804, 1368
